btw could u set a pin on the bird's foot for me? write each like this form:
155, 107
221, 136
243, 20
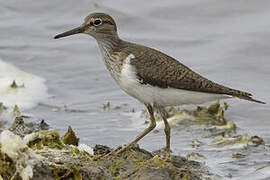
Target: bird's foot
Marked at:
164, 153
118, 150
167, 154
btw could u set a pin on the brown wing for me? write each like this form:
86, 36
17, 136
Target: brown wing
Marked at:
158, 69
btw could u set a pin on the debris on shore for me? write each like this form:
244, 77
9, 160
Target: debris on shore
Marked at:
33, 150
30, 152
210, 118
236, 142
221, 133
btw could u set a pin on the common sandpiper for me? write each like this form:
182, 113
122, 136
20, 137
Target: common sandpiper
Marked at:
150, 76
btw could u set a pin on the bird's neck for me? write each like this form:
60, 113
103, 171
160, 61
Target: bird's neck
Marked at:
108, 44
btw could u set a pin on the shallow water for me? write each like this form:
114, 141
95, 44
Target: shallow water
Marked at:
226, 41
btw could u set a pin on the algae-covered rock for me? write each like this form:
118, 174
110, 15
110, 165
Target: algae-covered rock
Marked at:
211, 115
70, 137
41, 154
38, 153
136, 163
240, 141
209, 118
40, 139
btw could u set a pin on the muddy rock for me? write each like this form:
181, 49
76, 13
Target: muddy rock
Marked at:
42, 154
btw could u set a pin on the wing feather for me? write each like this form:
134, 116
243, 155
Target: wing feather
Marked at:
158, 69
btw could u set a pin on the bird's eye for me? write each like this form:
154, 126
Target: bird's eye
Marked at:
97, 22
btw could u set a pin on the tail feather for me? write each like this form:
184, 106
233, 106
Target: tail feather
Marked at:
243, 95
251, 99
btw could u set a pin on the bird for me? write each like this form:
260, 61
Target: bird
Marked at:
155, 79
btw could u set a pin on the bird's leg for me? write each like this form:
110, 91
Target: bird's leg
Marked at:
167, 128
145, 132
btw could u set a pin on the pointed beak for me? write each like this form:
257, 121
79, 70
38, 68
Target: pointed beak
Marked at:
69, 33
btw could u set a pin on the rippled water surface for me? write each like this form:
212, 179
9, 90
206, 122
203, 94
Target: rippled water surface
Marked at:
226, 41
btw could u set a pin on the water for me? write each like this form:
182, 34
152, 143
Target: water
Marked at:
20, 88
226, 41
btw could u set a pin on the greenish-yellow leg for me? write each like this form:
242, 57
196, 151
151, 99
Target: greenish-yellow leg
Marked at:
167, 128
145, 132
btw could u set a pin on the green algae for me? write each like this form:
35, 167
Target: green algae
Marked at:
70, 138
49, 138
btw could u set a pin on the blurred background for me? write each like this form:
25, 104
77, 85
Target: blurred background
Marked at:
225, 41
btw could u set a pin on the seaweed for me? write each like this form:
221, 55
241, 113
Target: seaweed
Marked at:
49, 138
70, 138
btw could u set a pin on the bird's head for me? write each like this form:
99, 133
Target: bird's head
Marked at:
97, 25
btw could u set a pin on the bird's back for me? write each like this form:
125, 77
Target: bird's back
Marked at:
158, 69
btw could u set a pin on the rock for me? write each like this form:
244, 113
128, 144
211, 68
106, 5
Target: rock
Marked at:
101, 149
21, 128
70, 138
45, 156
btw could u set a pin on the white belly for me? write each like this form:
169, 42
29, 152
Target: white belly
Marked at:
167, 96
161, 96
